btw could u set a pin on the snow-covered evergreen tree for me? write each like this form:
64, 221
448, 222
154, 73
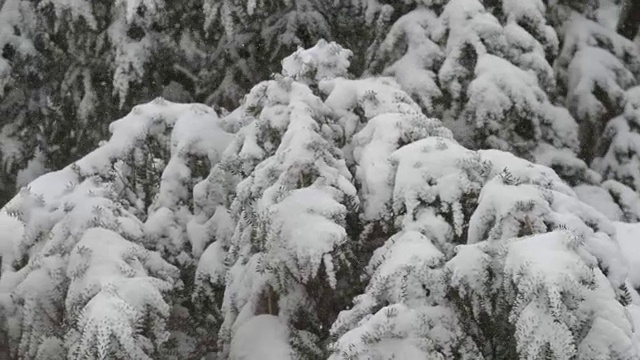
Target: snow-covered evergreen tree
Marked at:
108, 290
411, 54
67, 68
413, 305
290, 242
596, 66
621, 141
404, 311
486, 71
541, 269
252, 36
77, 275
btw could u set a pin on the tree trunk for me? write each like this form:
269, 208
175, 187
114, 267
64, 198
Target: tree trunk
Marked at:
629, 19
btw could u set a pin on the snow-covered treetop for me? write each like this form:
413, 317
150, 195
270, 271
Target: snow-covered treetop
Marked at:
412, 55
323, 61
153, 120
77, 231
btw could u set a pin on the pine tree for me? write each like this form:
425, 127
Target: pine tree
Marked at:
129, 307
70, 67
251, 37
16, 47
406, 291
620, 162
506, 286
105, 270
495, 83
596, 66
194, 142
411, 54
290, 208
66, 234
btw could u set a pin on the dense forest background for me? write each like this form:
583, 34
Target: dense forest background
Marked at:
69, 68
313, 179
